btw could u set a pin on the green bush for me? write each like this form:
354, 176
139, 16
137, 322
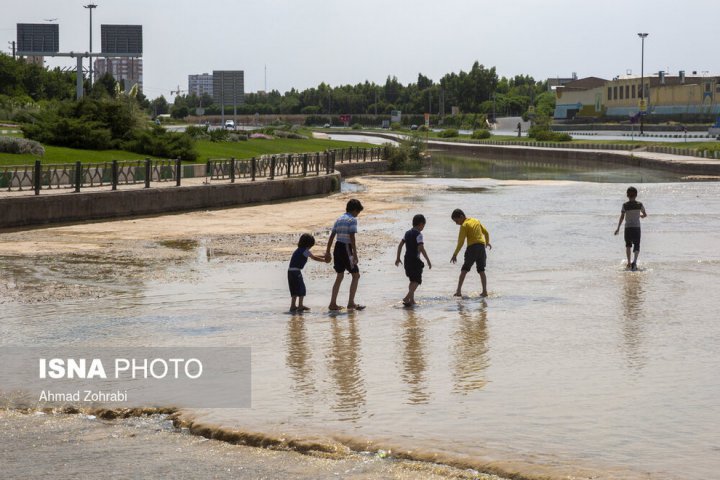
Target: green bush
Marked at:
218, 135
449, 133
481, 134
395, 126
159, 142
545, 135
71, 132
237, 137
356, 126
407, 155
196, 132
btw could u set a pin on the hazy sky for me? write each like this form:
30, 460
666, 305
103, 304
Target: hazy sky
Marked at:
305, 42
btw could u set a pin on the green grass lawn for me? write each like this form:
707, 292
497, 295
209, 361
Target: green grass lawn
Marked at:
205, 148
257, 147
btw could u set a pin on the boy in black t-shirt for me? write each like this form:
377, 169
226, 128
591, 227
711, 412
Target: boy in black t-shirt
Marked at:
632, 211
414, 247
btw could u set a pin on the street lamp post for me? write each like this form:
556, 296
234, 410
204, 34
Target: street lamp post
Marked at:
642, 78
90, 7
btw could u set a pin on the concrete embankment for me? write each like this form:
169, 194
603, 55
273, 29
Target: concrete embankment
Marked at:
566, 156
47, 208
571, 154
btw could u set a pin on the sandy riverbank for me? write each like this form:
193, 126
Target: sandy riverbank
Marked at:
148, 248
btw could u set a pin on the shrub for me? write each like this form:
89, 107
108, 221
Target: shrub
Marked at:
197, 131
395, 126
71, 132
407, 155
356, 126
286, 134
159, 142
237, 137
218, 135
422, 128
481, 134
545, 135
21, 146
449, 133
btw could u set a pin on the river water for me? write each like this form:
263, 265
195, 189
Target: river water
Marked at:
572, 366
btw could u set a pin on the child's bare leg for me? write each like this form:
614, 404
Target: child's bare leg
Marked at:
411, 292
353, 288
635, 256
458, 292
301, 307
627, 253
335, 290
483, 281
292, 304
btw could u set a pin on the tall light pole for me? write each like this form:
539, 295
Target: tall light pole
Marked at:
90, 7
642, 78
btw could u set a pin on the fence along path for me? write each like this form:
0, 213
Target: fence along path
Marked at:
144, 173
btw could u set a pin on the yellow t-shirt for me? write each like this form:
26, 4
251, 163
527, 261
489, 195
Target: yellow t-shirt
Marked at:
474, 231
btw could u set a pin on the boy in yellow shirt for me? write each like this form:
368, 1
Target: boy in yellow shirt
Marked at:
477, 238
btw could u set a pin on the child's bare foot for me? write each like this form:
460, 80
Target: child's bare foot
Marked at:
303, 309
484, 294
407, 303
457, 294
293, 309
334, 307
355, 306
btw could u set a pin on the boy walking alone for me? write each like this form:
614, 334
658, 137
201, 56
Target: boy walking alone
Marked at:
345, 254
414, 246
477, 238
632, 211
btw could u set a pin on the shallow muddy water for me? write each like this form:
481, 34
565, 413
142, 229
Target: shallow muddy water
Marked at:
572, 366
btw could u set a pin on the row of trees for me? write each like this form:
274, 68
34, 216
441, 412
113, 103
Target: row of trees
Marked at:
477, 91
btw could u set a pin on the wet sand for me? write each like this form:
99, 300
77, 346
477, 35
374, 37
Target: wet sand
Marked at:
73, 257
80, 446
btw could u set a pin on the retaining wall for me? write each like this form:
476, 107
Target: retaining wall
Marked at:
572, 157
79, 207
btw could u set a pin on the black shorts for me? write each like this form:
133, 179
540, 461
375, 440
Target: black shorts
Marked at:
296, 283
475, 254
632, 237
413, 269
342, 259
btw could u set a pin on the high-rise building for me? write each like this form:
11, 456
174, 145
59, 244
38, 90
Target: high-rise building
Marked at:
129, 70
200, 84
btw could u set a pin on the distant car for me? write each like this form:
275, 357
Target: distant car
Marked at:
327, 125
157, 121
413, 127
229, 125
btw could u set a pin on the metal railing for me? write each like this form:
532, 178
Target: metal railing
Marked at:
116, 173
